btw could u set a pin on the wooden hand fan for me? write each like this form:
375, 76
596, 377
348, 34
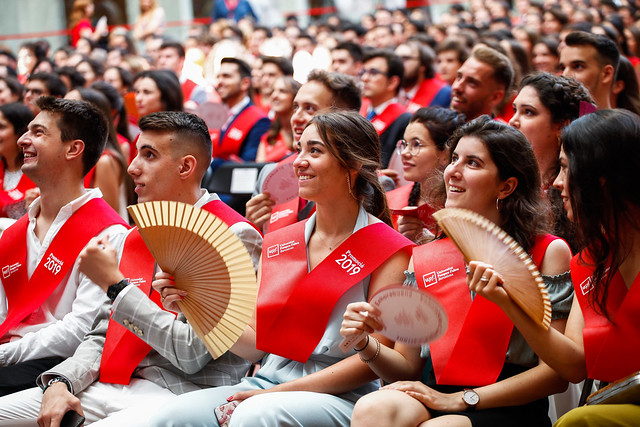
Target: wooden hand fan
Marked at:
208, 261
481, 240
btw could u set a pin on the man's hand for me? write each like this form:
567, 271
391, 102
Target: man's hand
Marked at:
99, 263
56, 402
258, 209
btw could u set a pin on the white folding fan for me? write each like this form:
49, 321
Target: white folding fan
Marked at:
208, 261
481, 240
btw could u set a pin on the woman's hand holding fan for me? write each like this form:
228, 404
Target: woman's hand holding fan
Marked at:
481, 240
165, 285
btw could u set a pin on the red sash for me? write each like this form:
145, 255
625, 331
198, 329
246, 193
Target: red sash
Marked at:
399, 198
425, 94
293, 308
9, 197
187, 88
236, 133
25, 295
123, 350
276, 152
383, 120
285, 213
88, 178
473, 349
610, 348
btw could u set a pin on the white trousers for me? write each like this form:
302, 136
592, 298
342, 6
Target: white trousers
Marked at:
103, 404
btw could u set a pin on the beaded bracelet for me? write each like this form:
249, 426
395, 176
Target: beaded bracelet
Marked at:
363, 347
375, 356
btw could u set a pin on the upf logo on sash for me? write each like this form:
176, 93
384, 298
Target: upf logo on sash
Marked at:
349, 263
235, 134
15, 194
281, 248
279, 215
53, 264
8, 270
434, 277
378, 124
586, 285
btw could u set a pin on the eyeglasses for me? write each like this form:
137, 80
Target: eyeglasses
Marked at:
414, 146
373, 72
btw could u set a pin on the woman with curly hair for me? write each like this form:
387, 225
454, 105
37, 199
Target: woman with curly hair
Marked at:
481, 372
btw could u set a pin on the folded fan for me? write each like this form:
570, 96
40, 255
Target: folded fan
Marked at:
481, 240
208, 261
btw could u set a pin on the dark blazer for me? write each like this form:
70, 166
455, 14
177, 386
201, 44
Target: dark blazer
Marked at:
391, 136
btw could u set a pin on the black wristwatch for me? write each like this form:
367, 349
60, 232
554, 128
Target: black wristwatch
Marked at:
470, 398
114, 290
54, 380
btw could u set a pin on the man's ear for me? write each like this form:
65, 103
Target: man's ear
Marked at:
245, 83
187, 166
607, 74
75, 149
394, 82
496, 97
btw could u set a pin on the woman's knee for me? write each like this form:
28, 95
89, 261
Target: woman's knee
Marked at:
388, 407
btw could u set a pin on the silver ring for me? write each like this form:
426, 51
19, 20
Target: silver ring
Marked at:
484, 279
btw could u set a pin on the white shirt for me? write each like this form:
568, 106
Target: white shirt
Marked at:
61, 322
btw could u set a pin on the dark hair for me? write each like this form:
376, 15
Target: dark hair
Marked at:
354, 49
168, 85
283, 64
499, 63
14, 86
75, 78
559, 94
607, 52
426, 55
345, 91
190, 132
243, 68
395, 67
96, 67
558, 15
441, 124
522, 212
79, 120
604, 168
125, 76
19, 115
170, 44
629, 97
454, 45
117, 104
52, 82
354, 142
551, 43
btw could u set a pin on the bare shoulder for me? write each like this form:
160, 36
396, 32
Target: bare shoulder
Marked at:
557, 258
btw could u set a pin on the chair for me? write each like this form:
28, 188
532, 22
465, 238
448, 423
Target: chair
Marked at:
233, 182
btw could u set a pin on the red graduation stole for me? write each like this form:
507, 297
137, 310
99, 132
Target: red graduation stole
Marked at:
473, 349
383, 120
399, 198
236, 133
610, 348
25, 295
285, 213
425, 94
285, 301
9, 197
187, 88
123, 350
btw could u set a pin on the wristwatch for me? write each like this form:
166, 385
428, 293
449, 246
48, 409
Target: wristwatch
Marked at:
54, 380
114, 290
470, 398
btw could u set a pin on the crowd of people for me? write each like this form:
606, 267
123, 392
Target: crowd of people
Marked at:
527, 116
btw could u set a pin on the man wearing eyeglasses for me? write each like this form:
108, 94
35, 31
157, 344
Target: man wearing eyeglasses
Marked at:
421, 87
42, 84
381, 76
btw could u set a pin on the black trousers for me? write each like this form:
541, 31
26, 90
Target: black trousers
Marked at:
22, 376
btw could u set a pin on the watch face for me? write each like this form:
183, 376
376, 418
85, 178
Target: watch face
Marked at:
471, 397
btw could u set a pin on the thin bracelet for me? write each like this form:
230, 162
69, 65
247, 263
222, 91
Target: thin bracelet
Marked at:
375, 356
363, 347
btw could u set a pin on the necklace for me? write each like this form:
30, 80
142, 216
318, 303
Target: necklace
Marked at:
333, 245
